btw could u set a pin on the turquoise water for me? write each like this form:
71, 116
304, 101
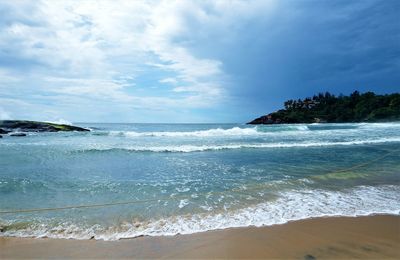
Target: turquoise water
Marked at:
186, 178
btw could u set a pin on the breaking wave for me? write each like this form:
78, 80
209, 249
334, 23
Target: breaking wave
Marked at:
201, 148
216, 132
290, 206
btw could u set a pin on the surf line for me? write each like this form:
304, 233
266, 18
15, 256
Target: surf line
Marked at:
178, 197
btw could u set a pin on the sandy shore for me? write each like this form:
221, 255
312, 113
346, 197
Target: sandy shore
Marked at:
374, 237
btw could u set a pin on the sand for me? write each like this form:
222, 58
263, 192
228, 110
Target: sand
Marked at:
375, 237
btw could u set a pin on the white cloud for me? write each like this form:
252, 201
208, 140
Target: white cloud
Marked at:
97, 50
172, 81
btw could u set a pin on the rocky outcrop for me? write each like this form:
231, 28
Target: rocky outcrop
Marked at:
18, 134
2, 131
9, 126
266, 120
277, 118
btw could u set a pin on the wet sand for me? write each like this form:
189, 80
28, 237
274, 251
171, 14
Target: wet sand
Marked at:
374, 237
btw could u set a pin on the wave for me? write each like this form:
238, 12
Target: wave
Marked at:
235, 131
201, 148
380, 125
290, 206
215, 132
260, 130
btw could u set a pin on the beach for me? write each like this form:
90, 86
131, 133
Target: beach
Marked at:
374, 237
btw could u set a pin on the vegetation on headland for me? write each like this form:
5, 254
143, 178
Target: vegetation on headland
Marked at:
9, 126
328, 108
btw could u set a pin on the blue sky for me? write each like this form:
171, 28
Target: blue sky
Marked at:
189, 61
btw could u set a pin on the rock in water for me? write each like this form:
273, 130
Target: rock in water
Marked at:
34, 126
18, 134
2, 131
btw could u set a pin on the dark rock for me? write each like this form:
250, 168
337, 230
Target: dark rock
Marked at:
266, 120
2, 131
309, 257
18, 134
33, 126
1, 136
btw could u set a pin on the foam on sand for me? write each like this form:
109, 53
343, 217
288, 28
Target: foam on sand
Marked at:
290, 206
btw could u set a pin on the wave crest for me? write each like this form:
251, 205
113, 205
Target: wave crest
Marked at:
235, 131
201, 148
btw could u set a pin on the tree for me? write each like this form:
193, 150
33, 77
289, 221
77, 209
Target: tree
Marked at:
326, 107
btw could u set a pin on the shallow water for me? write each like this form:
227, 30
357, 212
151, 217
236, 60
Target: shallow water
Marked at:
185, 178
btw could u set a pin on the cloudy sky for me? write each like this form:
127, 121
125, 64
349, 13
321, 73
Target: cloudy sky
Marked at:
189, 61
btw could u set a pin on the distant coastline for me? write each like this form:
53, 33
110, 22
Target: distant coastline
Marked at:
328, 108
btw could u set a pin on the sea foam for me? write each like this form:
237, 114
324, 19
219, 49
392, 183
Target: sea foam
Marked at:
290, 206
235, 131
201, 148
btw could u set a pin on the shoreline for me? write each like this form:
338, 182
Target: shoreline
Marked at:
376, 236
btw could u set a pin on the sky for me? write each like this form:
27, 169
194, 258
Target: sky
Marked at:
189, 61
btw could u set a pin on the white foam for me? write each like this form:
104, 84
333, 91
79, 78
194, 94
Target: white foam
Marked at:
290, 206
380, 125
183, 203
235, 131
200, 148
302, 128
259, 130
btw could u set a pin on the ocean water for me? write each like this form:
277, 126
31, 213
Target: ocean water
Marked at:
167, 179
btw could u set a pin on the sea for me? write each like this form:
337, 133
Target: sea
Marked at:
128, 180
